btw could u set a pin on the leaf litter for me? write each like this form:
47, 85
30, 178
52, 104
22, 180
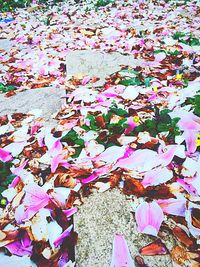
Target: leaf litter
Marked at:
139, 132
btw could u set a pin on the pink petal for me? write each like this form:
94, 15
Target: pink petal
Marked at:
5, 155
149, 217
111, 154
19, 213
70, 212
55, 162
101, 171
188, 123
89, 179
85, 80
141, 160
160, 56
121, 255
157, 176
61, 238
21, 247
15, 181
131, 126
34, 194
167, 156
173, 206
34, 200
18, 170
190, 139
56, 148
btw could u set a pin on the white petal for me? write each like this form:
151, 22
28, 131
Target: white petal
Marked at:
130, 93
55, 230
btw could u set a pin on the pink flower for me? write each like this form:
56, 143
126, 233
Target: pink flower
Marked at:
149, 217
5, 156
121, 255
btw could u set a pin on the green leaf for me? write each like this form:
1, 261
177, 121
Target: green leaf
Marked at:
79, 142
151, 124
147, 81
119, 111
194, 41
159, 51
178, 35
132, 81
78, 152
162, 127
130, 71
70, 136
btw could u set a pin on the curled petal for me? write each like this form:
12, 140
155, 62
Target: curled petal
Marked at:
155, 248
193, 220
183, 237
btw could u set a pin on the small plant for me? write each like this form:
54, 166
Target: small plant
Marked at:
161, 122
6, 177
100, 3
6, 88
188, 39
195, 102
10, 5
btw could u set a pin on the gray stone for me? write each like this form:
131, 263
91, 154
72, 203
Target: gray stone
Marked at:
47, 99
96, 63
99, 219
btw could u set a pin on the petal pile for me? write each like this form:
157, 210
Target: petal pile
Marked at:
139, 132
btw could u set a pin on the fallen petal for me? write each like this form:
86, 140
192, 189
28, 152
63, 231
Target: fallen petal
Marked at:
5, 155
154, 248
121, 255
149, 217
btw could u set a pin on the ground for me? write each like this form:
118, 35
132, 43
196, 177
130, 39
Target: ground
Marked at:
103, 117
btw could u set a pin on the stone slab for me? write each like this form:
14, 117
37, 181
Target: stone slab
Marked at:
47, 99
96, 63
99, 219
